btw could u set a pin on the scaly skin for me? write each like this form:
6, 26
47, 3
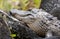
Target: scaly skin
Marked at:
38, 20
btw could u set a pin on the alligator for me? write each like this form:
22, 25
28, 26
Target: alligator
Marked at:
38, 20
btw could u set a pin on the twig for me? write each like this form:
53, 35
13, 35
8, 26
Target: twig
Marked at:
9, 16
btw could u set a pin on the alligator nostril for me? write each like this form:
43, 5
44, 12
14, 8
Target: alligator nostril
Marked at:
56, 25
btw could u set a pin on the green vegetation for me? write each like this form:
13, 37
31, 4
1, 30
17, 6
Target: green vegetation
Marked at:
6, 5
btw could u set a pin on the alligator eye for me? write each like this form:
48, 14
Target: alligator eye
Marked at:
11, 14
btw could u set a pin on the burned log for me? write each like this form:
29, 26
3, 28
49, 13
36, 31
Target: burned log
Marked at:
4, 30
49, 5
52, 7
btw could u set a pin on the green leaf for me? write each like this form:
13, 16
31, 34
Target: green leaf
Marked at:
37, 3
4, 5
13, 35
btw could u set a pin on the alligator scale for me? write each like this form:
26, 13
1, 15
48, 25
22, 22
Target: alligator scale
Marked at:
38, 20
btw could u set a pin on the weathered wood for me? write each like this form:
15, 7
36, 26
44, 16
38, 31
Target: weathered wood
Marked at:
39, 21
